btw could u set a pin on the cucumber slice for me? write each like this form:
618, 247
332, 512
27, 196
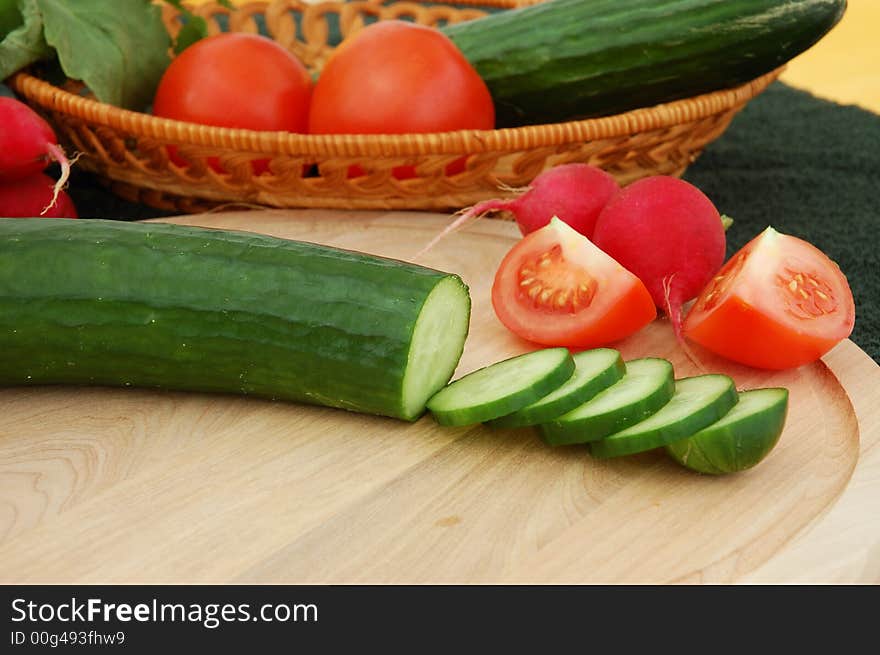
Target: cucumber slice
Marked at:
698, 401
741, 439
595, 370
502, 388
438, 339
646, 387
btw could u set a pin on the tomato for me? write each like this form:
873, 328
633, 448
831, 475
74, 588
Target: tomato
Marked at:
236, 80
395, 77
558, 289
778, 303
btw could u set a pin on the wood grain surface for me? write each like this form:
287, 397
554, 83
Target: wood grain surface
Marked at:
112, 485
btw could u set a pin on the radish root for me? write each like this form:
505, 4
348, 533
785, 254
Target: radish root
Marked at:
226, 206
518, 190
675, 318
56, 153
692, 357
466, 216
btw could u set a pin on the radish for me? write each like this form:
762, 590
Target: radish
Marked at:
28, 145
29, 198
669, 234
576, 193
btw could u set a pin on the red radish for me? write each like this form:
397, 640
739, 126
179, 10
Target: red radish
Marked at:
29, 197
669, 234
576, 193
28, 145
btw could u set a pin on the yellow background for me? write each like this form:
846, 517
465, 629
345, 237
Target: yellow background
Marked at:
844, 66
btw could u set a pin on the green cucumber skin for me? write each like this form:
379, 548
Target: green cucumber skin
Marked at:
611, 446
717, 450
515, 401
566, 433
529, 415
567, 59
184, 308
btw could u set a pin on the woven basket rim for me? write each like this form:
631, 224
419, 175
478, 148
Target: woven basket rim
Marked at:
660, 116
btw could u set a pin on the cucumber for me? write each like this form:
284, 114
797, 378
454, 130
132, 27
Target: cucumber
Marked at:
698, 401
566, 59
647, 386
185, 308
595, 370
741, 439
502, 388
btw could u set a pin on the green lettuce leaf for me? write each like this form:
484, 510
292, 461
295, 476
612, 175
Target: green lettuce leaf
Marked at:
24, 44
10, 17
118, 48
194, 27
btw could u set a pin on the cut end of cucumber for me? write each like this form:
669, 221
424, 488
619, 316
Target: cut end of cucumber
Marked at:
437, 344
740, 439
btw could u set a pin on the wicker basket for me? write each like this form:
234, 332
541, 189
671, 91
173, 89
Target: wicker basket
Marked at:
128, 149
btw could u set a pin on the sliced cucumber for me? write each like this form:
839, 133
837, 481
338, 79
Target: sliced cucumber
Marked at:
646, 387
698, 401
741, 439
502, 388
595, 370
438, 339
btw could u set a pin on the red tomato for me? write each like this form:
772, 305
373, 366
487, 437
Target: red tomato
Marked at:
558, 289
778, 303
396, 77
236, 80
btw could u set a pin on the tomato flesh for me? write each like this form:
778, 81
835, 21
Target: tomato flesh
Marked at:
556, 288
778, 303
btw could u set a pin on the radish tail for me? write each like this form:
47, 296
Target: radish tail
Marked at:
672, 307
518, 190
57, 154
468, 215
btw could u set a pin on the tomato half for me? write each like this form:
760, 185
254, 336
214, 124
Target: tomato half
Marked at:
556, 288
396, 77
778, 303
236, 80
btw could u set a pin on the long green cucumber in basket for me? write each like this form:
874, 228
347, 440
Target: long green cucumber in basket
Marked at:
566, 59
185, 308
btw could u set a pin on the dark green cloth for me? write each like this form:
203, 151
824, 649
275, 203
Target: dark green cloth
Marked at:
806, 166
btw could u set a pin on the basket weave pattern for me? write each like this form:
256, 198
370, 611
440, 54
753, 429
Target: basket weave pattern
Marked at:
129, 149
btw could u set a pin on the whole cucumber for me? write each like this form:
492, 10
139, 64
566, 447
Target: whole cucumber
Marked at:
568, 59
174, 307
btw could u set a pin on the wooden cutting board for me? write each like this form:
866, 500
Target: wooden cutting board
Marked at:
114, 486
